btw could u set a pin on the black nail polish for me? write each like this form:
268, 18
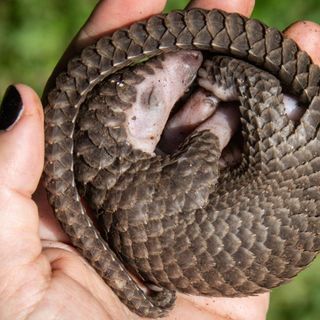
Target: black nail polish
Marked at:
11, 108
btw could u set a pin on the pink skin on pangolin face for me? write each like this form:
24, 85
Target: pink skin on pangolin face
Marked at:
156, 96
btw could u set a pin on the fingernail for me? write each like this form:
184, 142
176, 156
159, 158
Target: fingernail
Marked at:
11, 108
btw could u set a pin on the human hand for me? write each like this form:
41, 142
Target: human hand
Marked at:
42, 277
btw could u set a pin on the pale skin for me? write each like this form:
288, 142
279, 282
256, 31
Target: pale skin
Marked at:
41, 274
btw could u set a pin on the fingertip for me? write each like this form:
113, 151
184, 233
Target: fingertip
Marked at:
307, 36
31, 101
244, 7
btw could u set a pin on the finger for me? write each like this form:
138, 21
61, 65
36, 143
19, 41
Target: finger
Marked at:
21, 163
22, 147
244, 7
307, 36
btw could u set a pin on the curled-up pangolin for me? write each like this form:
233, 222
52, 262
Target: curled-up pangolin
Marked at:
188, 211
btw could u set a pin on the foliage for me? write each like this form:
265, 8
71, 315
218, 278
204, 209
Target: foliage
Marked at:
33, 35
298, 300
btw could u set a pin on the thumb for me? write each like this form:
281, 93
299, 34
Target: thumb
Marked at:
21, 163
21, 139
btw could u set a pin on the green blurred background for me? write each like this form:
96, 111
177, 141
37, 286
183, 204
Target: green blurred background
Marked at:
34, 34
